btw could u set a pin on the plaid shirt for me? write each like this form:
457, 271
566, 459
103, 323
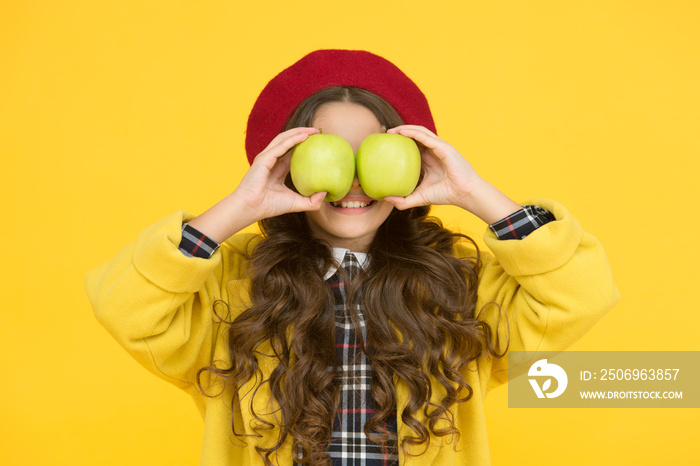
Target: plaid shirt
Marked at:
349, 445
521, 223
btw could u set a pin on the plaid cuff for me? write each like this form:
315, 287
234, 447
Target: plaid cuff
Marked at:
195, 244
521, 223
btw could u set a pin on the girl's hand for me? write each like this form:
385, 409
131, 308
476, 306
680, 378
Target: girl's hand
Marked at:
448, 179
447, 176
261, 193
262, 189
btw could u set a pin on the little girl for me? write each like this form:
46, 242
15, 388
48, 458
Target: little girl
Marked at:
350, 332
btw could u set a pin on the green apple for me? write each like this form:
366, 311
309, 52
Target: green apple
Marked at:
323, 162
388, 165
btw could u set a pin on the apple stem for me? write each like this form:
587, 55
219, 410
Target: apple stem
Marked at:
383, 129
320, 131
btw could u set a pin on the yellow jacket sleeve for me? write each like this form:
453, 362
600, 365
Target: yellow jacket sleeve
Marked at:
157, 302
543, 292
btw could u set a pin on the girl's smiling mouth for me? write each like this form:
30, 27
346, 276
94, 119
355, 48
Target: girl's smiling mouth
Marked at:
352, 204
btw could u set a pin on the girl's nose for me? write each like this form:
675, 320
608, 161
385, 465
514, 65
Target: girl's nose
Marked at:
355, 181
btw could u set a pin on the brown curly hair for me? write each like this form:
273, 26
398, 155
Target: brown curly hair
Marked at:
418, 301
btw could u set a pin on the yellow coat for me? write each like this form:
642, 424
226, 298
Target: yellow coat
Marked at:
553, 286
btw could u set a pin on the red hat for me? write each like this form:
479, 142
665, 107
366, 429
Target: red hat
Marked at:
327, 68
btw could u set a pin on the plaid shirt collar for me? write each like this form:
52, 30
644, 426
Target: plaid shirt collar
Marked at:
339, 255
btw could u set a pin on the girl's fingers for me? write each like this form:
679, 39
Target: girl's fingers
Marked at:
283, 143
398, 202
438, 152
316, 200
303, 204
437, 148
281, 168
403, 203
287, 134
423, 129
425, 137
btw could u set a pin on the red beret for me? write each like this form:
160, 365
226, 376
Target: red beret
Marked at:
327, 68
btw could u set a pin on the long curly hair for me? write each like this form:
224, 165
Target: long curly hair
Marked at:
418, 301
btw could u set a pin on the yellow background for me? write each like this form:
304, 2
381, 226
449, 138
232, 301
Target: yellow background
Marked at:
113, 114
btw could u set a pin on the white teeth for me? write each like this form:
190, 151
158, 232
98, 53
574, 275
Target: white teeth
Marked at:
351, 205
